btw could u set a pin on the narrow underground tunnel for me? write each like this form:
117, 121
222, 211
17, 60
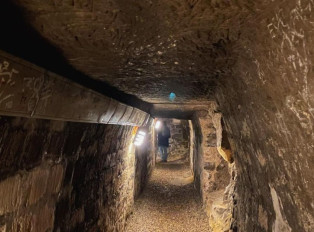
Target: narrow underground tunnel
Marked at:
83, 84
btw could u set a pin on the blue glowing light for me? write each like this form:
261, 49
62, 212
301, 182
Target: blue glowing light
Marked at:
172, 96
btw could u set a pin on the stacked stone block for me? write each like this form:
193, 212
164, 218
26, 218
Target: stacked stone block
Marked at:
179, 141
61, 176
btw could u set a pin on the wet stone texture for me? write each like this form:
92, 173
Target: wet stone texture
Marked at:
58, 176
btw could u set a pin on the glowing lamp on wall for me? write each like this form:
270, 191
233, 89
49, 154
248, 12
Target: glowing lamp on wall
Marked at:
139, 138
157, 125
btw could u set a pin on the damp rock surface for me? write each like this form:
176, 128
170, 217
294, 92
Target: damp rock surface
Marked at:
169, 202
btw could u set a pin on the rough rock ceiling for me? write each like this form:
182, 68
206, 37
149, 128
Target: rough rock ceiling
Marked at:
145, 48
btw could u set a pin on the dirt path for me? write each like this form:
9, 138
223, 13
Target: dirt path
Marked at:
169, 202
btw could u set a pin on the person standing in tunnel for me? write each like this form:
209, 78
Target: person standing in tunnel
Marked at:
163, 141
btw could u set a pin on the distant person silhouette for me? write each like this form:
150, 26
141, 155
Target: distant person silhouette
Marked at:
163, 141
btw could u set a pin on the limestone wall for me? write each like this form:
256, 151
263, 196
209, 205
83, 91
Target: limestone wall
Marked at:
267, 101
179, 141
145, 159
214, 175
61, 176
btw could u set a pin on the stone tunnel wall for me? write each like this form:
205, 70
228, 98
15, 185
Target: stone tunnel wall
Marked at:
145, 159
268, 106
214, 176
179, 141
62, 176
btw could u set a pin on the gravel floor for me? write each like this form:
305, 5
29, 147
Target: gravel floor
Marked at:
169, 202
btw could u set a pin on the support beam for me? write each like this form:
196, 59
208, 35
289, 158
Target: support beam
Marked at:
179, 110
29, 91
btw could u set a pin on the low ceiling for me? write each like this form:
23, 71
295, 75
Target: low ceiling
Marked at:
145, 48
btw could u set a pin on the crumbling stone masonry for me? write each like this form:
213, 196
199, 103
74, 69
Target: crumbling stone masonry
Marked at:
214, 174
179, 141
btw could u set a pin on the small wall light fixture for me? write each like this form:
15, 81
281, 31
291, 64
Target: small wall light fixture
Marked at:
139, 138
157, 125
